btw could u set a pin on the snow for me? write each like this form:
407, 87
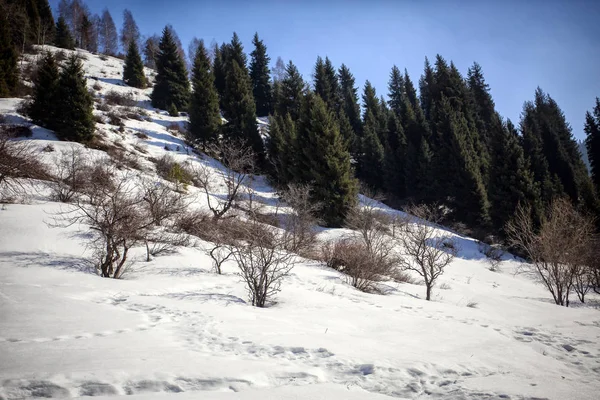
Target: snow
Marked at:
173, 329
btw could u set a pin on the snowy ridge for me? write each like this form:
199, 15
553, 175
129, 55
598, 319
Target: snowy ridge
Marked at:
173, 329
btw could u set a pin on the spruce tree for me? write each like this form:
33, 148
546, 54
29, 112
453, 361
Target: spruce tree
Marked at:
63, 37
219, 72
511, 180
396, 91
171, 88
372, 156
239, 110
325, 162
74, 104
349, 98
260, 76
45, 86
326, 83
592, 143
133, 70
9, 73
205, 117
281, 149
292, 89
395, 158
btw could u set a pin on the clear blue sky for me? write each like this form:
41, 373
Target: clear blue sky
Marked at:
554, 44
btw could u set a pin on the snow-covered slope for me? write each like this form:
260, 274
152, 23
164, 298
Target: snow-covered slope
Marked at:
173, 329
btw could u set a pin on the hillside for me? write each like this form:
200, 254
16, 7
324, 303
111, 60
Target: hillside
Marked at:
172, 328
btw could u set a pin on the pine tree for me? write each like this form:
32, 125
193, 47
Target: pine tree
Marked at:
205, 117
260, 76
45, 86
240, 111
171, 87
326, 83
372, 157
292, 89
133, 70
396, 91
325, 162
74, 104
63, 36
592, 143
395, 158
281, 149
511, 180
219, 72
349, 98
9, 73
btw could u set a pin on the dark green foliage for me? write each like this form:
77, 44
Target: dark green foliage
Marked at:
45, 85
219, 71
74, 104
63, 37
172, 110
282, 149
239, 109
260, 76
292, 90
592, 143
396, 91
326, 83
133, 70
205, 117
395, 158
554, 154
511, 180
172, 86
325, 162
372, 156
9, 74
349, 99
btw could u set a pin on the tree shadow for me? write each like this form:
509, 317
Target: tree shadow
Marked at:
60, 262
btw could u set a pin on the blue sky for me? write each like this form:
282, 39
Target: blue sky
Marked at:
553, 44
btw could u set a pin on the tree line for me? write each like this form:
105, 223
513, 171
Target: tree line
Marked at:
439, 141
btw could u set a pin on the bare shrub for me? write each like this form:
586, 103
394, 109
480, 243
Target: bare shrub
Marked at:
119, 99
263, 263
220, 252
103, 107
238, 165
18, 165
167, 168
97, 86
352, 257
115, 118
177, 129
425, 251
141, 135
559, 251
371, 257
71, 174
472, 304
493, 254
300, 224
122, 158
196, 223
114, 213
161, 241
161, 202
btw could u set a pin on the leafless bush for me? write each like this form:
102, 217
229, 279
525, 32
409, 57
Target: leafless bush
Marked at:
18, 165
263, 263
177, 129
219, 252
425, 251
167, 168
161, 202
196, 223
352, 257
97, 86
119, 99
114, 213
238, 164
71, 174
123, 158
493, 254
559, 250
114, 118
161, 241
103, 107
373, 228
141, 135
300, 224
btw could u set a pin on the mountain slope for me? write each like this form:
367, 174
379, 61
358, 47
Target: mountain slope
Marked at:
173, 326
